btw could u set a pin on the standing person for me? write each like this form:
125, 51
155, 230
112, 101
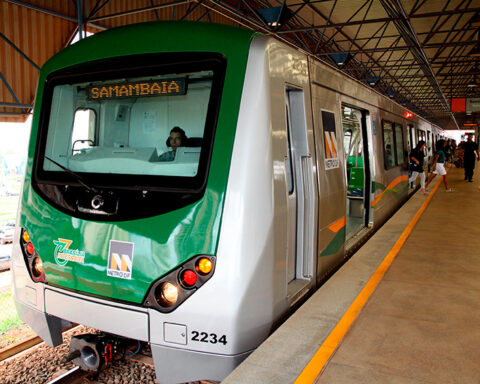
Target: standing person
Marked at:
416, 165
470, 154
439, 165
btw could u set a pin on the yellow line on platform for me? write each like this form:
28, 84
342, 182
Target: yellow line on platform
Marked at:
331, 343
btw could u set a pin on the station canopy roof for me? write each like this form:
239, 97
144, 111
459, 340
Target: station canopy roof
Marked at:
420, 53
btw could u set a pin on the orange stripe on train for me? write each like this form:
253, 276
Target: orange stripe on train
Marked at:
339, 224
395, 182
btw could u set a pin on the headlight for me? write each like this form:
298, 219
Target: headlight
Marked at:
37, 267
166, 294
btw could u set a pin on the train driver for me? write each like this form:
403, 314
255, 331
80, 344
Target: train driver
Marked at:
177, 138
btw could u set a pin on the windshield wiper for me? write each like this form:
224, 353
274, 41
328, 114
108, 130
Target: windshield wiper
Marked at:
77, 177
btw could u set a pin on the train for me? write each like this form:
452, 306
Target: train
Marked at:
189, 184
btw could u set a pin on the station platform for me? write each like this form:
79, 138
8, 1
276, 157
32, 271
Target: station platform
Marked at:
404, 309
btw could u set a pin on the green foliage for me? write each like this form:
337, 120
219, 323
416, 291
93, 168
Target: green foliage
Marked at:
8, 314
8, 208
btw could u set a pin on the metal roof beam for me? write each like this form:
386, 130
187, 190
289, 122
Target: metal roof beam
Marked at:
383, 20
434, 28
454, 74
12, 113
51, 13
395, 9
97, 8
338, 30
373, 37
445, 13
15, 105
191, 9
408, 47
139, 10
9, 88
19, 51
42, 10
339, 25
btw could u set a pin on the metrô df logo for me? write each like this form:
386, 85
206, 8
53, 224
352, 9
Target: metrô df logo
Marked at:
120, 259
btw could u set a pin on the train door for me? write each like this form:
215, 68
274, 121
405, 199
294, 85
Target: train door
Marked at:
357, 168
300, 202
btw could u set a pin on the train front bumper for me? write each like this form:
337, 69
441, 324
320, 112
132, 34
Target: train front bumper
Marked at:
173, 363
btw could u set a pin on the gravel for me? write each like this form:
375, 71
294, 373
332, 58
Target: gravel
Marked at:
42, 363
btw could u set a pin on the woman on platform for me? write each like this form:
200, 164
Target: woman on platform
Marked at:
439, 165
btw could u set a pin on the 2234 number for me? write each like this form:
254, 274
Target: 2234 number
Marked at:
211, 338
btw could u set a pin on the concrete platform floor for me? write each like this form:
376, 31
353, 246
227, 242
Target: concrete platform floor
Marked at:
420, 325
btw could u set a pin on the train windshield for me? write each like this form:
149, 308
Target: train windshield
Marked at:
151, 125
129, 127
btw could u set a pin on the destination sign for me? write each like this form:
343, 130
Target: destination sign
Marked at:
473, 105
162, 87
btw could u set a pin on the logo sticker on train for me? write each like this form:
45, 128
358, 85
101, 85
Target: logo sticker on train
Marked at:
63, 254
120, 259
330, 140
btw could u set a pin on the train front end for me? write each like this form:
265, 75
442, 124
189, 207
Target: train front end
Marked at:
120, 215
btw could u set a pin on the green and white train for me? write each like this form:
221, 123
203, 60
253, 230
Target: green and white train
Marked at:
286, 166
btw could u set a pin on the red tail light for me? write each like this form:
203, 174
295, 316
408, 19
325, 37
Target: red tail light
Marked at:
30, 249
189, 278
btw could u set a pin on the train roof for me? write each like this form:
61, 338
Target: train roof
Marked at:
153, 37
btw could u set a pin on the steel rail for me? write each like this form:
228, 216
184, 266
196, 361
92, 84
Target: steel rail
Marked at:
74, 375
24, 345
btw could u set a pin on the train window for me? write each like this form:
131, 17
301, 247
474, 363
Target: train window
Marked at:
144, 124
136, 121
399, 144
388, 144
84, 132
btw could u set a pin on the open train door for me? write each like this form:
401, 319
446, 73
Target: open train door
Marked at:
356, 143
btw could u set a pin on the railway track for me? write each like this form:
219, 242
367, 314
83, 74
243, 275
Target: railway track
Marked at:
45, 365
73, 376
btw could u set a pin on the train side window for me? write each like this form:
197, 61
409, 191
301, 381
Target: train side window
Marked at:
84, 132
388, 145
399, 144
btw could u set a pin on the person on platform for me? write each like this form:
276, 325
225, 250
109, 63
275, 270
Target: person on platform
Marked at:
470, 155
416, 165
439, 164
